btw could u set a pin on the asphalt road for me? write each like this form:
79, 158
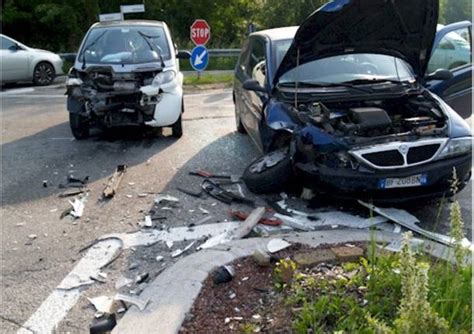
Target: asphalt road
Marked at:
37, 146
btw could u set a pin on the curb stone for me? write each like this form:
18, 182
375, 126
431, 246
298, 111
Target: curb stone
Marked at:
173, 292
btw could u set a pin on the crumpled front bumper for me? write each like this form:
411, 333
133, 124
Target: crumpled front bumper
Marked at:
346, 183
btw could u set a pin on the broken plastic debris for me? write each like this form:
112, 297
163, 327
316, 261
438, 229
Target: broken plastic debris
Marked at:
32, 236
204, 211
141, 278
169, 243
102, 303
165, 198
178, 252
141, 303
147, 222
276, 245
114, 181
103, 325
77, 207
223, 274
122, 281
159, 258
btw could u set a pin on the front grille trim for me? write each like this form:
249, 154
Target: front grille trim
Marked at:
366, 154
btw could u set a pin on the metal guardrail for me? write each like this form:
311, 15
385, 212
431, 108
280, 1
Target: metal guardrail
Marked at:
212, 52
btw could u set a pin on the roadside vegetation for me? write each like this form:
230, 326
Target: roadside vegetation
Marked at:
35, 22
209, 79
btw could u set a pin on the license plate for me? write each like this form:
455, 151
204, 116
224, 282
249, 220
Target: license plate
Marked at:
406, 182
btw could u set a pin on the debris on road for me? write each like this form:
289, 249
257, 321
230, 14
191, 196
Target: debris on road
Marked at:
241, 231
102, 304
159, 258
178, 252
103, 325
163, 198
141, 303
406, 220
196, 194
100, 277
276, 245
45, 183
72, 192
122, 281
32, 236
264, 221
147, 222
215, 190
114, 181
223, 274
141, 278
78, 207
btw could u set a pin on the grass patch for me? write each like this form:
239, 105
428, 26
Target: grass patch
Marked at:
387, 294
208, 79
215, 64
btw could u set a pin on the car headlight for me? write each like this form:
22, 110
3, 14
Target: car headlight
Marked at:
163, 78
456, 146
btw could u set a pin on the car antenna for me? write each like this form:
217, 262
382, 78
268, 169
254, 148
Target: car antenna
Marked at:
297, 76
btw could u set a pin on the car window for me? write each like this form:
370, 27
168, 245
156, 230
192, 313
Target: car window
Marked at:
257, 65
345, 68
453, 51
7, 44
125, 45
244, 56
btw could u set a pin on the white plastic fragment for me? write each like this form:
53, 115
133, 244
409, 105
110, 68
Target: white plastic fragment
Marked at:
147, 222
138, 302
178, 252
169, 243
159, 258
32, 236
122, 281
102, 304
77, 207
204, 211
165, 198
276, 245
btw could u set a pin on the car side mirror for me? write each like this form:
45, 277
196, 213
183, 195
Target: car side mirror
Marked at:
183, 55
15, 47
253, 85
440, 74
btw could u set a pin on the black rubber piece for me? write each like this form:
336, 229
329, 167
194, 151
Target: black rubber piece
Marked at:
270, 180
177, 128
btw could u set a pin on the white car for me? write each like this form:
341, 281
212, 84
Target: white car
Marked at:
126, 73
22, 63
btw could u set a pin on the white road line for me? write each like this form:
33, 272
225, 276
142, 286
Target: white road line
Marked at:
60, 301
56, 306
31, 96
18, 91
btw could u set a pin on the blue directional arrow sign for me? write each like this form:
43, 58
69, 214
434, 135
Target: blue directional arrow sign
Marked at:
199, 58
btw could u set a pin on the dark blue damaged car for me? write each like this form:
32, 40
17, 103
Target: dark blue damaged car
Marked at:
340, 104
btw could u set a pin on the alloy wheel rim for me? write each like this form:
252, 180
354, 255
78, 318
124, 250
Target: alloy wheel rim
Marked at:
44, 74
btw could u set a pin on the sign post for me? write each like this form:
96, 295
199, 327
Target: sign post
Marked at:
200, 33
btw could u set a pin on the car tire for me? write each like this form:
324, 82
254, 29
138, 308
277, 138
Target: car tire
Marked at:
177, 128
79, 126
270, 173
238, 122
43, 74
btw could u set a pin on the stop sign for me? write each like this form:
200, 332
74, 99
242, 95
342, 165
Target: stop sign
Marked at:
200, 32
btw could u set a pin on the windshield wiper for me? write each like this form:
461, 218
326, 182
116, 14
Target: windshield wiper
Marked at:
87, 48
328, 84
369, 81
153, 47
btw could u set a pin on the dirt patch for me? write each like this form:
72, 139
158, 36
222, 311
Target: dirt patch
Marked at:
249, 303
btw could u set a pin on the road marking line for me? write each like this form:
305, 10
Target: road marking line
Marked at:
56, 306
18, 90
31, 96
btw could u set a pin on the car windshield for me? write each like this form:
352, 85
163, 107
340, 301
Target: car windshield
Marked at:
348, 68
125, 45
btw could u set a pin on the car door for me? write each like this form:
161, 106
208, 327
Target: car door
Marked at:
14, 61
252, 102
452, 50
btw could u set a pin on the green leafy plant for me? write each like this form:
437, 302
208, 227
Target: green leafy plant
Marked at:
283, 273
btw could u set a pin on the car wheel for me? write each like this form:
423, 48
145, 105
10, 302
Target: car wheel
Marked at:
43, 74
270, 173
238, 121
79, 126
177, 128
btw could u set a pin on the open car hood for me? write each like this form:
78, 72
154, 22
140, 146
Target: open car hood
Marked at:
402, 28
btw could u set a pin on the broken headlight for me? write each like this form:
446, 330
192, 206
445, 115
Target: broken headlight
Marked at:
163, 78
456, 146
73, 82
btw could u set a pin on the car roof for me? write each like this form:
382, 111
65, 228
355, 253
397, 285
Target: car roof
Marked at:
124, 23
277, 34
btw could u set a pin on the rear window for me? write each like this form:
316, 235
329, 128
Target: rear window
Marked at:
125, 45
